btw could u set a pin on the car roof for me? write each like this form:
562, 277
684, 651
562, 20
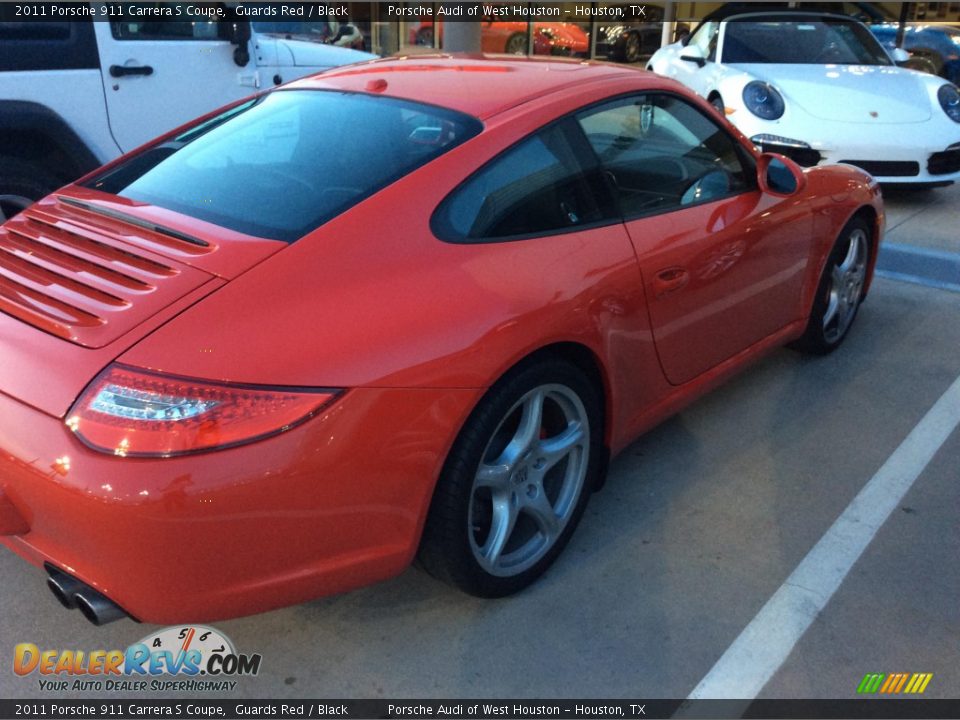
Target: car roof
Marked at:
477, 85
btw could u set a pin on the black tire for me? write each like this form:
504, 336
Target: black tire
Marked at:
21, 182
516, 44
425, 37
839, 292
718, 105
478, 485
929, 61
921, 64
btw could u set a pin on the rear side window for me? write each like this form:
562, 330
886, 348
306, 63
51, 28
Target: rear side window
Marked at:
282, 165
160, 27
29, 41
546, 184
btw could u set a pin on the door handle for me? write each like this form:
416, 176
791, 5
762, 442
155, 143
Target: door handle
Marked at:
122, 70
669, 281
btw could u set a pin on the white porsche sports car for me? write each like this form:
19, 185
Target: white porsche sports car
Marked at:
819, 88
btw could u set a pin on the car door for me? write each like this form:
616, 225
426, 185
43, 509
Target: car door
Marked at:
159, 74
722, 263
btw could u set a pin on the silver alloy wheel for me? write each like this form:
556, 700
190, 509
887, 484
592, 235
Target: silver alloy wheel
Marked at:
846, 286
529, 481
516, 45
631, 48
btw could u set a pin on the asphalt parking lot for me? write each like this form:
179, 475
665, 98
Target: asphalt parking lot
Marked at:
700, 524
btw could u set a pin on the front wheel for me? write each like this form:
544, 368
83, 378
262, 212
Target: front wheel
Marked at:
516, 482
516, 45
425, 37
840, 291
631, 48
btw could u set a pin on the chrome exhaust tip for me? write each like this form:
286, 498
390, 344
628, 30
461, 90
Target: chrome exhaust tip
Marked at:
64, 588
73, 593
96, 608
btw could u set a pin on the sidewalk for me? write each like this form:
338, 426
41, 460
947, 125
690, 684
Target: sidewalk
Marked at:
922, 243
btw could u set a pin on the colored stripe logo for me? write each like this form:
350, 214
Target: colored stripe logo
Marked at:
894, 683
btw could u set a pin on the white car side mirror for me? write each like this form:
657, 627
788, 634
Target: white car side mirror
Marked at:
899, 55
692, 53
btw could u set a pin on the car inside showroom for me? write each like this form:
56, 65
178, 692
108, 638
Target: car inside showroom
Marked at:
514, 359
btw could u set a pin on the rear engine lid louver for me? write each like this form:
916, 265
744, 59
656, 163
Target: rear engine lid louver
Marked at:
87, 277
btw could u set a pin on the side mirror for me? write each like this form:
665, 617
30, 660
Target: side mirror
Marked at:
239, 34
899, 55
779, 175
693, 54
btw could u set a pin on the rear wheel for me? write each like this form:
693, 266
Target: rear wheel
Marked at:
840, 291
921, 64
516, 482
21, 184
929, 61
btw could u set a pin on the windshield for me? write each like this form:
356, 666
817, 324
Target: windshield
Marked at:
811, 42
282, 165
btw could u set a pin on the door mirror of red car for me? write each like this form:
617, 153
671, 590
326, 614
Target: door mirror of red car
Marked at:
779, 175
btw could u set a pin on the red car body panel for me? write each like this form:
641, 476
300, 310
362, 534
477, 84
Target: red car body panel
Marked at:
499, 85
414, 328
123, 282
216, 535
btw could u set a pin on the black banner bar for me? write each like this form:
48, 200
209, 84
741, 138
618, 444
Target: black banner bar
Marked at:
41, 11
114, 709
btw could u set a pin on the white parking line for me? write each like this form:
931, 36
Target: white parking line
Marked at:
763, 646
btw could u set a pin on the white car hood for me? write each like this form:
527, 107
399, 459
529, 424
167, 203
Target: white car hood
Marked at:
316, 54
849, 93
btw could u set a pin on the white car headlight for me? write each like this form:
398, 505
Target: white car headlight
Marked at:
763, 100
949, 98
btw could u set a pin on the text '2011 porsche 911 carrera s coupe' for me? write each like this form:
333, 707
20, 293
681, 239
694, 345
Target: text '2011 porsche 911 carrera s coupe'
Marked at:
407, 308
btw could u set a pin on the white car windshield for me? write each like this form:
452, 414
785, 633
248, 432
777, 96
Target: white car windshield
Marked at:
812, 42
322, 32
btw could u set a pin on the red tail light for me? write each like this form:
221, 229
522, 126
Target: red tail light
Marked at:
130, 412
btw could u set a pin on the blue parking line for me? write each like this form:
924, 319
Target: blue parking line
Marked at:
923, 266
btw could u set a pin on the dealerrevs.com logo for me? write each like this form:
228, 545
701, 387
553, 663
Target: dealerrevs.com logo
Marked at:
202, 658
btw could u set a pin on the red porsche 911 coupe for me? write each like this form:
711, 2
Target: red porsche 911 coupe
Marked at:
404, 308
